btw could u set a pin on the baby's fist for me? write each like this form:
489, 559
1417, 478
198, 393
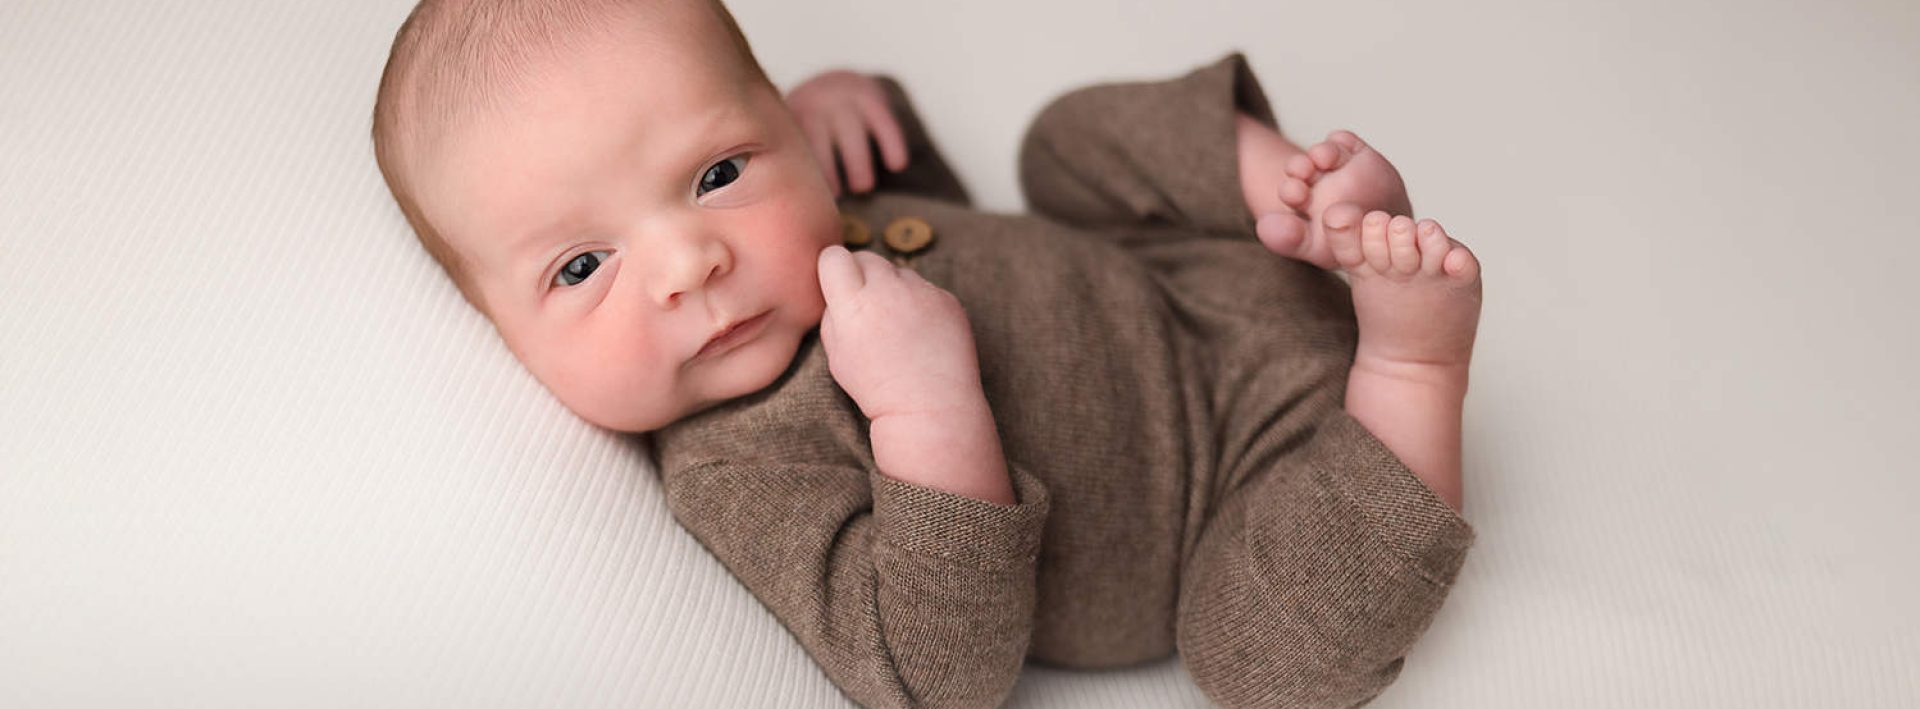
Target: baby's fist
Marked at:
896, 343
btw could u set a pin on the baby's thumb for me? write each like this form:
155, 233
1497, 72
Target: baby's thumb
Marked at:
839, 275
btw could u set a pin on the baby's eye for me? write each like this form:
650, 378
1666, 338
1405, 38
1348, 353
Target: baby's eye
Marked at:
579, 268
721, 174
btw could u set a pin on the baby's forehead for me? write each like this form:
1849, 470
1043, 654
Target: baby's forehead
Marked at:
537, 77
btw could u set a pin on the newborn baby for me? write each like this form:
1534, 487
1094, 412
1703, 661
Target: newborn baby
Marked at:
937, 442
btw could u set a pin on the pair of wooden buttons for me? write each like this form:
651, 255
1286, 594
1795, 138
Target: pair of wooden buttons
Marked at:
905, 235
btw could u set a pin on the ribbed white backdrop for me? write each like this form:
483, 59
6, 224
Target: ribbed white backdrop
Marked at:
255, 451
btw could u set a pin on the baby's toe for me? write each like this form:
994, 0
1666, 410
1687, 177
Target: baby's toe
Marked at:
1373, 241
1327, 156
1461, 264
1433, 245
1300, 167
1400, 247
1340, 225
1348, 142
1295, 192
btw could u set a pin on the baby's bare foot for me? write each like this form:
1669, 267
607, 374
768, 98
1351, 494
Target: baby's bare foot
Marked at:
1416, 291
1341, 169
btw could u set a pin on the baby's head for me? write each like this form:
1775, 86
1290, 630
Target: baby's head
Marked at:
610, 182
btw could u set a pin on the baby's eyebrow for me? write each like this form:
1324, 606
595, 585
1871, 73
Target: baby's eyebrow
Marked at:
526, 257
537, 238
552, 220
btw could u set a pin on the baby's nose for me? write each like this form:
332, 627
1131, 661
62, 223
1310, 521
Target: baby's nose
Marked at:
696, 267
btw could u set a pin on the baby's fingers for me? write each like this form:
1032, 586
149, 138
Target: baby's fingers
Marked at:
874, 269
886, 131
840, 274
851, 135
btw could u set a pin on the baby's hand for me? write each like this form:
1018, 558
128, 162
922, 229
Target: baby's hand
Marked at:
843, 108
896, 343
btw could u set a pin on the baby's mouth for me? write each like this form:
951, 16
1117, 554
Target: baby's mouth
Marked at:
733, 334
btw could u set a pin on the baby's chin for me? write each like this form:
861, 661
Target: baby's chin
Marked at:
750, 368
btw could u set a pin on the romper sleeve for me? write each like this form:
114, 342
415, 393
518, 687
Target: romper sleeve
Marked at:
927, 173
905, 595
1145, 152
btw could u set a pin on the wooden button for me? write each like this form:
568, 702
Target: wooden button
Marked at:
908, 234
854, 232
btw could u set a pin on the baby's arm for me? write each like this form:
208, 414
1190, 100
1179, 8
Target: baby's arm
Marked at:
906, 594
956, 450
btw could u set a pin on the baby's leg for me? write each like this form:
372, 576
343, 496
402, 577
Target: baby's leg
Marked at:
1416, 292
1416, 295
1313, 579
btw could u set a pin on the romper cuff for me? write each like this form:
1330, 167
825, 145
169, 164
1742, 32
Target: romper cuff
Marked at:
1248, 97
962, 529
1399, 509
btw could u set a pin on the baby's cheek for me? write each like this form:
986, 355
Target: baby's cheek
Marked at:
806, 209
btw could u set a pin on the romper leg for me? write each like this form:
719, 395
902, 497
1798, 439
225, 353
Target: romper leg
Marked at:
1311, 582
1146, 153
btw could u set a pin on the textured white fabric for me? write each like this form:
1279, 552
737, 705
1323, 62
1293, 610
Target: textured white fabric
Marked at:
255, 451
